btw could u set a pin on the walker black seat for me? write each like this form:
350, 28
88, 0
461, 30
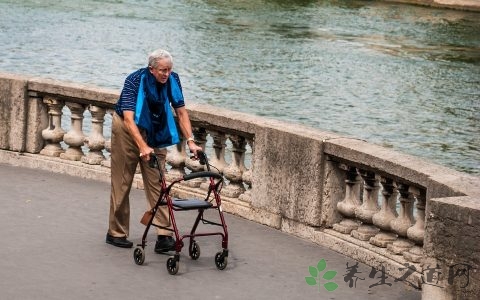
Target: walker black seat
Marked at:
187, 204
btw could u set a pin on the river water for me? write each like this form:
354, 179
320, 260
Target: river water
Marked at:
401, 76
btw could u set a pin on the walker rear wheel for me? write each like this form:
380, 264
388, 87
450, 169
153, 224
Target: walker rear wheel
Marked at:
139, 256
194, 250
172, 265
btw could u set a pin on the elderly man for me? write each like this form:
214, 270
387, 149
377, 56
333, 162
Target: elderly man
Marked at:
143, 123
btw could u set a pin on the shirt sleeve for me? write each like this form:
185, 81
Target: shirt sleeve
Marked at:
176, 103
128, 97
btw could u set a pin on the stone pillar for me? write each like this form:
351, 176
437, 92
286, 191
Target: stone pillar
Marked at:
13, 113
108, 143
200, 135
37, 120
234, 171
416, 233
247, 179
176, 159
74, 138
350, 203
452, 243
404, 220
53, 135
95, 141
386, 215
368, 208
218, 158
333, 192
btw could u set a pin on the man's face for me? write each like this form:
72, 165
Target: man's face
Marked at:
162, 70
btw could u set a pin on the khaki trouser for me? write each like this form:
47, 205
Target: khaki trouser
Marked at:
124, 160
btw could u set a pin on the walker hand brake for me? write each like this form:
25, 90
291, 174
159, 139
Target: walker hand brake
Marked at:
153, 162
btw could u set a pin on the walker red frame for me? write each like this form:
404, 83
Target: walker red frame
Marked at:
221, 257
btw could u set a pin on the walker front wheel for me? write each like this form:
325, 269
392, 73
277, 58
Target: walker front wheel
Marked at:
194, 250
139, 256
172, 265
221, 260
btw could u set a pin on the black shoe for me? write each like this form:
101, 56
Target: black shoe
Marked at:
164, 243
121, 242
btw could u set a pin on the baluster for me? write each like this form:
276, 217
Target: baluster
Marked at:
74, 138
233, 172
95, 141
108, 144
176, 158
386, 215
368, 208
108, 147
53, 135
200, 135
404, 220
350, 203
218, 158
247, 179
417, 231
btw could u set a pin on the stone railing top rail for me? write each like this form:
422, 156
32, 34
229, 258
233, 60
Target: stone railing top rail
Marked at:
67, 90
249, 124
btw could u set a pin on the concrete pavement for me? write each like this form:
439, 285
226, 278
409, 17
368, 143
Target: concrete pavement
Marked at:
53, 247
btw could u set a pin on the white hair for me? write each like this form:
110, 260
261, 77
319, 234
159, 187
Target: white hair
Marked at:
157, 55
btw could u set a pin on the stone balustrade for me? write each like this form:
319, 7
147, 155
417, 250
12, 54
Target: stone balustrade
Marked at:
383, 208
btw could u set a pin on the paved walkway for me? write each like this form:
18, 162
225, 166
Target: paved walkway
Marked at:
53, 230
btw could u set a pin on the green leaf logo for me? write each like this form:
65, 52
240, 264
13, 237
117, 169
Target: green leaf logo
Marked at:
322, 264
328, 275
310, 280
313, 271
331, 286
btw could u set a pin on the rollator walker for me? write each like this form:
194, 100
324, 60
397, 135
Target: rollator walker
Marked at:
211, 201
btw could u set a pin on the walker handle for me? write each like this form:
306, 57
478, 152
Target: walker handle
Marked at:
153, 162
202, 157
202, 174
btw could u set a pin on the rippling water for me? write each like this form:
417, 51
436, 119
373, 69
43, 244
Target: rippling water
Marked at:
401, 76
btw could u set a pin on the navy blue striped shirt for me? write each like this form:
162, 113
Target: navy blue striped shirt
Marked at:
128, 97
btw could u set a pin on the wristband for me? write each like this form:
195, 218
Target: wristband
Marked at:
190, 139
